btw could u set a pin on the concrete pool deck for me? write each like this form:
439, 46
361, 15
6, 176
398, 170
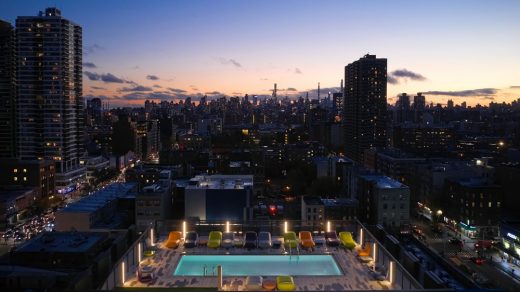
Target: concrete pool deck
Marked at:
356, 275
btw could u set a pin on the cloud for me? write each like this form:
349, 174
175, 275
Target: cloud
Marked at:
193, 87
102, 97
403, 73
515, 87
297, 71
291, 89
176, 90
237, 93
487, 98
87, 50
89, 65
391, 79
264, 79
110, 78
152, 77
135, 88
214, 93
470, 92
107, 78
97, 87
233, 62
157, 86
395, 76
135, 67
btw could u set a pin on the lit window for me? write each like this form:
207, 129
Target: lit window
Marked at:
15, 170
15, 178
489, 204
24, 178
25, 170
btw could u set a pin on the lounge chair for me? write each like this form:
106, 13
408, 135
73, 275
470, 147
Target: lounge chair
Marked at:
144, 273
174, 239
285, 283
346, 240
331, 238
254, 283
250, 240
264, 239
191, 240
290, 240
306, 239
214, 240
365, 252
228, 239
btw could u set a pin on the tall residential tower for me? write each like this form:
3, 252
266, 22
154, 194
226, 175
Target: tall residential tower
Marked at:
7, 90
365, 106
50, 114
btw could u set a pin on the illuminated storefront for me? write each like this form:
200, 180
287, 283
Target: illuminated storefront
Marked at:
510, 241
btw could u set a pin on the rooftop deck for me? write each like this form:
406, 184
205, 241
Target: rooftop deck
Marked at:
356, 274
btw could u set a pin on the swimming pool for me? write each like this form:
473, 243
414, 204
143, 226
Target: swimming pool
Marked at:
258, 265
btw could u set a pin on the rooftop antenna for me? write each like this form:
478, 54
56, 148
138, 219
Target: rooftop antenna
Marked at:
318, 91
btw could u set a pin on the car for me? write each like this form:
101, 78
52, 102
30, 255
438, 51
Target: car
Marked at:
478, 260
455, 241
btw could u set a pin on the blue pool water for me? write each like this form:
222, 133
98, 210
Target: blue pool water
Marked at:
258, 265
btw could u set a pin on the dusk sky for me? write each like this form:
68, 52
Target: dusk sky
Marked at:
133, 50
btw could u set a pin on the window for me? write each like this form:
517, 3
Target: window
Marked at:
15, 170
24, 178
15, 178
498, 204
489, 204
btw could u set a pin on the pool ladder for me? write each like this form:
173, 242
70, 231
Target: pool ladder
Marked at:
205, 270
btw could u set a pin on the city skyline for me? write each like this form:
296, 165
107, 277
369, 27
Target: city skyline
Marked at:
196, 48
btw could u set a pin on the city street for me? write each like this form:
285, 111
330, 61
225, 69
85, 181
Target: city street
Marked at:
491, 273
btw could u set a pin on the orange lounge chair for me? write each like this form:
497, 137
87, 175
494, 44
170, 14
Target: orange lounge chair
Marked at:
365, 252
174, 239
306, 239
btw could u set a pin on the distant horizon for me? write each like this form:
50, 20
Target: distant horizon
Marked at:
176, 49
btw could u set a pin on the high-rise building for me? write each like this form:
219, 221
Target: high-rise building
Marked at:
94, 107
365, 105
49, 114
7, 90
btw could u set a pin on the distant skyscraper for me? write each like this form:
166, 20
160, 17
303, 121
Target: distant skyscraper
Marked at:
274, 91
50, 113
94, 107
7, 90
365, 106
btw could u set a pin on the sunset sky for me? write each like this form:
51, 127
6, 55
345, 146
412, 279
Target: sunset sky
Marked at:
133, 50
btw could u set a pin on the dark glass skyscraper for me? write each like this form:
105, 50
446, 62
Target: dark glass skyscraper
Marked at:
50, 105
7, 90
365, 106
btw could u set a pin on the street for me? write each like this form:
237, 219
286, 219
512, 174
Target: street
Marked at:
490, 273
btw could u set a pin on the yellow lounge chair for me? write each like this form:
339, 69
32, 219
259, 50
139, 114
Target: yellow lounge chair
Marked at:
174, 239
365, 252
306, 239
290, 240
285, 283
215, 238
346, 240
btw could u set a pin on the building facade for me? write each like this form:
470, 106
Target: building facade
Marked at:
50, 117
7, 90
365, 106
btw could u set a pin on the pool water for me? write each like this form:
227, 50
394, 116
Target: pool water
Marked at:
258, 265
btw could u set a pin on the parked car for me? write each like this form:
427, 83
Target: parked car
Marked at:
478, 260
455, 241
250, 239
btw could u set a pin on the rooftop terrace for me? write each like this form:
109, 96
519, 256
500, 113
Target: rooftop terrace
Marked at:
102, 197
